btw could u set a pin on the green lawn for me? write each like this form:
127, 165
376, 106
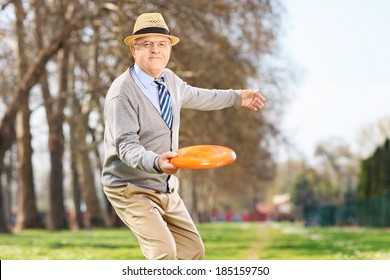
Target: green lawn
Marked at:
223, 241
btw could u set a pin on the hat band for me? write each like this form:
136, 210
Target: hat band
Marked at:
152, 30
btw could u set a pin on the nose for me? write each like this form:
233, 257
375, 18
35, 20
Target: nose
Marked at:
154, 48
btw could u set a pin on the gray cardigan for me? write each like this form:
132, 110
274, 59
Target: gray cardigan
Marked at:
135, 134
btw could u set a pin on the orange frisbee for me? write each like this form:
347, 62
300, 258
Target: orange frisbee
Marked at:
203, 156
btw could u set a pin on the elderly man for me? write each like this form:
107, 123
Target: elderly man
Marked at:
142, 118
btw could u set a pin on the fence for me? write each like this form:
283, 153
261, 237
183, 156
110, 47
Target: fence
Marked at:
372, 212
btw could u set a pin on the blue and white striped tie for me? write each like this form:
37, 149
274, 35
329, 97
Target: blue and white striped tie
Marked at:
165, 102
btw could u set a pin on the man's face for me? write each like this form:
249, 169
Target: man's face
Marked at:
152, 59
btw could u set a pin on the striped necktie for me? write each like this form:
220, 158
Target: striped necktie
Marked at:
165, 102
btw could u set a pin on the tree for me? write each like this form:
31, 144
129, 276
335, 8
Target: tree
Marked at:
287, 173
8, 58
304, 194
29, 79
77, 50
27, 216
338, 169
54, 107
372, 136
374, 176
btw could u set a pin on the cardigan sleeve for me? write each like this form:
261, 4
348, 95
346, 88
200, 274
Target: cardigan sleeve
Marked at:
121, 119
202, 99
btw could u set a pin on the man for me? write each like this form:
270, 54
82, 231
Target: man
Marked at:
142, 117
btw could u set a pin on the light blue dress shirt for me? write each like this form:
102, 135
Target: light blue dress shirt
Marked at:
147, 85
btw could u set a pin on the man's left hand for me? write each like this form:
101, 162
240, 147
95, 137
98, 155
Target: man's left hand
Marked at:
252, 99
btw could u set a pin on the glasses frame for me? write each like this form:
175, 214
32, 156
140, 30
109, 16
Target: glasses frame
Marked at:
159, 44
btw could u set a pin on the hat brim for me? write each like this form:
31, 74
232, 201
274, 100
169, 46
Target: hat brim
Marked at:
129, 39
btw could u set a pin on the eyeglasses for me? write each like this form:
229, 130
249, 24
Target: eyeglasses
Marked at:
149, 44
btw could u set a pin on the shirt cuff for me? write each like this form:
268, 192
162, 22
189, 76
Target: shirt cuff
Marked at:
156, 166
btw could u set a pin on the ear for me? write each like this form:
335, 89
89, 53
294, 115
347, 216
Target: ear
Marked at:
132, 50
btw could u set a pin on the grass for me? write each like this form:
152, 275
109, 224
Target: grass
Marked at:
223, 241
332, 243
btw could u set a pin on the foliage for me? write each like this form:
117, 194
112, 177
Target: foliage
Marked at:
334, 193
337, 171
374, 177
303, 192
372, 136
331, 179
372, 212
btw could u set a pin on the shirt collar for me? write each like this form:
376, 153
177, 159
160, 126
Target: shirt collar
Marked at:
145, 79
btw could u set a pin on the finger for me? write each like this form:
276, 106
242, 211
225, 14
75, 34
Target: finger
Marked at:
168, 155
252, 107
171, 154
171, 169
258, 95
260, 100
256, 106
259, 104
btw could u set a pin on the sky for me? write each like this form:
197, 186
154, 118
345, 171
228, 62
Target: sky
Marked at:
341, 48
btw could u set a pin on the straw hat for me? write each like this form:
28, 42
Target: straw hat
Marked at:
150, 24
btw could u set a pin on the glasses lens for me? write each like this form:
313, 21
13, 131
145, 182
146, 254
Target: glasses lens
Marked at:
162, 44
149, 44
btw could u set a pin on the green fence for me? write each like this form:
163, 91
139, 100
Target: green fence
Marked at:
372, 212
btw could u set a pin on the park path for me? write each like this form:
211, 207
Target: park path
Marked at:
264, 239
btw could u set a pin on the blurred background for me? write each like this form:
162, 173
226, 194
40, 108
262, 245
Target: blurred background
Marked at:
318, 153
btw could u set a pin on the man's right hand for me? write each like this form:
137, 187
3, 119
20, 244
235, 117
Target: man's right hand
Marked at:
165, 164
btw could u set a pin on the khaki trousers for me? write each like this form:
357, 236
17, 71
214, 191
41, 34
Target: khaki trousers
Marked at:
160, 222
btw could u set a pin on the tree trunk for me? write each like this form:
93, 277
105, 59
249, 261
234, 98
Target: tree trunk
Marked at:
83, 179
77, 220
94, 214
84, 185
27, 213
194, 199
82, 167
57, 213
55, 118
6, 214
56, 218
94, 217
3, 213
